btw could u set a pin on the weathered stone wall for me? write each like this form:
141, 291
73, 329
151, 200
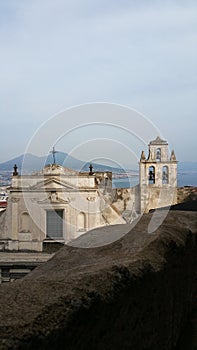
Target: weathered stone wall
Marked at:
82, 198
126, 199
132, 294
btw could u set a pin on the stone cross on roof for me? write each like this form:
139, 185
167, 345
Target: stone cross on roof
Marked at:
53, 153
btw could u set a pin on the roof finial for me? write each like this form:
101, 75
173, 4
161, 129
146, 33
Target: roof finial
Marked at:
15, 172
53, 153
172, 157
143, 157
91, 169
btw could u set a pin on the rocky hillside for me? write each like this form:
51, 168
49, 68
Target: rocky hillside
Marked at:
187, 193
134, 293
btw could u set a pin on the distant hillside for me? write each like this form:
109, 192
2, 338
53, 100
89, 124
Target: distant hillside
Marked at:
35, 163
30, 163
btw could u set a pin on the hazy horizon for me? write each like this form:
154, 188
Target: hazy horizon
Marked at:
45, 155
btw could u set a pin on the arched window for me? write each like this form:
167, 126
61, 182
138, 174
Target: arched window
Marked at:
81, 222
158, 154
25, 222
165, 175
151, 175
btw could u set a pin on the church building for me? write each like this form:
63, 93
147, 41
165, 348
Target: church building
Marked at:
59, 204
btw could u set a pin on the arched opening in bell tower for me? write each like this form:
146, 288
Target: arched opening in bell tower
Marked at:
158, 155
165, 175
151, 175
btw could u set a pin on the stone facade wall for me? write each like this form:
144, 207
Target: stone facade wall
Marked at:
26, 181
83, 200
34, 206
157, 195
127, 200
158, 177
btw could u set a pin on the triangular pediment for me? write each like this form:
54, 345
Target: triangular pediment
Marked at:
52, 183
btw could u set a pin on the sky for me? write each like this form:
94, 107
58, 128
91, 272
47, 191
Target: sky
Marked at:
59, 54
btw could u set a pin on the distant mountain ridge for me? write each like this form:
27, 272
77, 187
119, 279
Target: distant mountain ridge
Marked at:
29, 163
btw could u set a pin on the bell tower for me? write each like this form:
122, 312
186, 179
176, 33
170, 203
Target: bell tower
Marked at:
158, 176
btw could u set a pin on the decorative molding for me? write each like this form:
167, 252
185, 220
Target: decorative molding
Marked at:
91, 199
54, 197
15, 200
54, 200
34, 200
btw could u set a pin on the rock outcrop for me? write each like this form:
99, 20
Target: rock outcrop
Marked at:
134, 293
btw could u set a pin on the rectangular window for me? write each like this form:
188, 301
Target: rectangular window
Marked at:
54, 223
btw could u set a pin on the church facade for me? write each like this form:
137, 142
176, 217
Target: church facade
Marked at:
59, 204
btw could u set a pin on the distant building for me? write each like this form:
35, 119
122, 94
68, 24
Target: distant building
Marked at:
59, 204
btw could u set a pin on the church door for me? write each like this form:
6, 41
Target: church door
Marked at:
54, 223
